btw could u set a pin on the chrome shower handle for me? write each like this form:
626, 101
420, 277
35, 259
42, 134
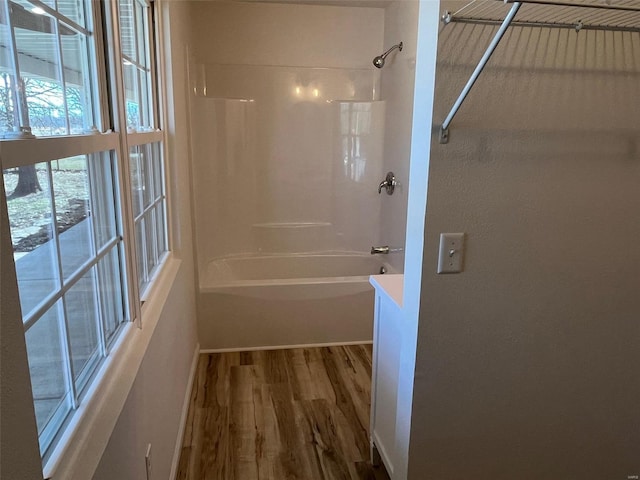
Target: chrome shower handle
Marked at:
389, 184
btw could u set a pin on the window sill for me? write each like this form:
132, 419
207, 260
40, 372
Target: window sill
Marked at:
80, 449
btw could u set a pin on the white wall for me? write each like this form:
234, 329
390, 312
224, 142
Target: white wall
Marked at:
397, 87
527, 362
294, 35
152, 412
19, 452
288, 129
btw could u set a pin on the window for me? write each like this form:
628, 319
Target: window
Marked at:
47, 83
148, 208
86, 210
135, 44
145, 152
68, 254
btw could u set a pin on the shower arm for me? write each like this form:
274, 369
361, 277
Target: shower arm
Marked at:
385, 54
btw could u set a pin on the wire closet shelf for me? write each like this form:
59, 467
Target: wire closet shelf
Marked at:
609, 15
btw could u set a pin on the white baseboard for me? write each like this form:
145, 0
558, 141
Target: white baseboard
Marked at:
185, 411
284, 347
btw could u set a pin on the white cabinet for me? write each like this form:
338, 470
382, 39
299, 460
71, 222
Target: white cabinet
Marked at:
387, 342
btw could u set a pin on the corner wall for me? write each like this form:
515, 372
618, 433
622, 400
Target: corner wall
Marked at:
152, 412
397, 90
527, 362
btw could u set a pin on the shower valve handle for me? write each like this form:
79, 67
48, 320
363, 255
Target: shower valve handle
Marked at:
389, 184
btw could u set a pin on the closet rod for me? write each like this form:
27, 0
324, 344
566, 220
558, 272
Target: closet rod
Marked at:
528, 23
558, 3
444, 130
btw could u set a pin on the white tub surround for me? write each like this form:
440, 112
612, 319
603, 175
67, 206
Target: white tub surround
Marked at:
286, 300
287, 145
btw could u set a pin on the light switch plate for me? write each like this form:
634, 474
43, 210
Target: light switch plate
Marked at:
451, 253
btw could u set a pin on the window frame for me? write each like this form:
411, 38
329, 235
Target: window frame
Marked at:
109, 114
93, 36
35, 151
147, 136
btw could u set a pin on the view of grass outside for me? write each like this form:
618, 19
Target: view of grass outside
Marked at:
30, 215
64, 213
86, 289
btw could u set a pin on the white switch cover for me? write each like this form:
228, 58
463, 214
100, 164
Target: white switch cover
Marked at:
451, 253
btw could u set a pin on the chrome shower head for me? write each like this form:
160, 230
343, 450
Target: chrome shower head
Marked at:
378, 62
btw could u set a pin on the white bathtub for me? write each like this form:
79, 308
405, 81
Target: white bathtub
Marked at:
286, 300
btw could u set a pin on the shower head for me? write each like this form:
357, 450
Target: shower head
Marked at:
378, 62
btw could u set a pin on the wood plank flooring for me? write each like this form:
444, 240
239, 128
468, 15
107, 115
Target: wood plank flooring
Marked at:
280, 414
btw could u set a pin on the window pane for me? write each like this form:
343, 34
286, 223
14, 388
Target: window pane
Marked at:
158, 190
77, 81
141, 32
8, 117
147, 162
102, 181
136, 167
71, 193
135, 39
140, 244
51, 3
66, 342
144, 81
74, 10
82, 311
111, 293
30, 213
127, 30
160, 230
131, 95
150, 238
47, 367
8, 114
51, 91
39, 71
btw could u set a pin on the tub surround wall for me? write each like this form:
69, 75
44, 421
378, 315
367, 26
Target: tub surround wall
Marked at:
286, 35
537, 339
287, 159
397, 87
287, 138
288, 128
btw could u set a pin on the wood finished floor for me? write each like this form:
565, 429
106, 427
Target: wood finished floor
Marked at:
280, 414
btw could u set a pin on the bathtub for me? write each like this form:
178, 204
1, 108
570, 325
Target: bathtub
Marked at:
276, 301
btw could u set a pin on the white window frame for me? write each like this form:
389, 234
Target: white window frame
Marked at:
17, 153
125, 349
92, 31
137, 138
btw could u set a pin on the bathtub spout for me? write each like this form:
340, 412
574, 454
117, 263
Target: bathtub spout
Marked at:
380, 250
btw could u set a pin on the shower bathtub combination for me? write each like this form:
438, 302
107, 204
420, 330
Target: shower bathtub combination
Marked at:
287, 163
